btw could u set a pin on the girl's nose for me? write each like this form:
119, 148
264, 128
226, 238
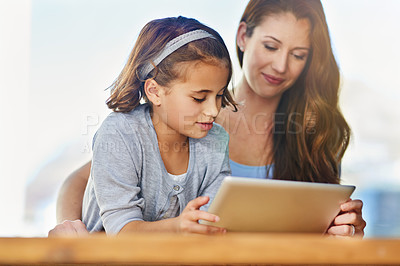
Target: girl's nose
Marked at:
211, 108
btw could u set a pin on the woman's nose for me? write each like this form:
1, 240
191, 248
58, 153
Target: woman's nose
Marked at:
280, 62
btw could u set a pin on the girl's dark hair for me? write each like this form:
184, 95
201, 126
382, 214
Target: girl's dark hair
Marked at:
312, 135
128, 89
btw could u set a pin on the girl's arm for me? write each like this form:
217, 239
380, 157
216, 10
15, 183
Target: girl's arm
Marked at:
70, 196
187, 222
350, 215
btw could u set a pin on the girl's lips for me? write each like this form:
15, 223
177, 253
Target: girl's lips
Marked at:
205, 126
273, 80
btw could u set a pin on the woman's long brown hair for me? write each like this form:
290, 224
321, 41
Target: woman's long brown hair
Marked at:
128, 89
310, 134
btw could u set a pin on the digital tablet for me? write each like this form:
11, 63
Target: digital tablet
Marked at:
265, 205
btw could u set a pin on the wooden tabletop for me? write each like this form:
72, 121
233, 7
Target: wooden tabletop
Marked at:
232, 248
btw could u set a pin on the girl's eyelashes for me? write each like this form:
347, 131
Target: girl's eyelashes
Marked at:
199, 100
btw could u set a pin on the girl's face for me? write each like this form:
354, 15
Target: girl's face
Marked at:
276, 53
188, 107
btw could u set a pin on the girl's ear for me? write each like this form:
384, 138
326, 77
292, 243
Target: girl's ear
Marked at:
241, 36
153, 91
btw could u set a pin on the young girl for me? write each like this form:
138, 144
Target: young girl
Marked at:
155, 164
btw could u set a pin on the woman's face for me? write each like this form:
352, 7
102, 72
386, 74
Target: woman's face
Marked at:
276, 53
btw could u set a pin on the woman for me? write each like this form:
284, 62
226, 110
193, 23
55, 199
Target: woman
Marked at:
288, 125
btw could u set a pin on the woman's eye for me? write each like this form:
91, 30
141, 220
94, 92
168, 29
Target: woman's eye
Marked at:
199, 100
271, 48
299, 57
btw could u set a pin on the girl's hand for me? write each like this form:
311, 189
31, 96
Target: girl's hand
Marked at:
349, 222
188, 220
69, 228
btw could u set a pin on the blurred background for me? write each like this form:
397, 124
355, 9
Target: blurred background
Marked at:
57, 57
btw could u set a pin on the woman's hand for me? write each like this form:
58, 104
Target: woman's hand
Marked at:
349, 222
187, 222
69, 228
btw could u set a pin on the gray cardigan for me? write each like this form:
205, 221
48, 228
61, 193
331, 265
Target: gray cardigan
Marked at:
129, 181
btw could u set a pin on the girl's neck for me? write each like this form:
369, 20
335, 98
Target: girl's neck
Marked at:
173, 147
167, 137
